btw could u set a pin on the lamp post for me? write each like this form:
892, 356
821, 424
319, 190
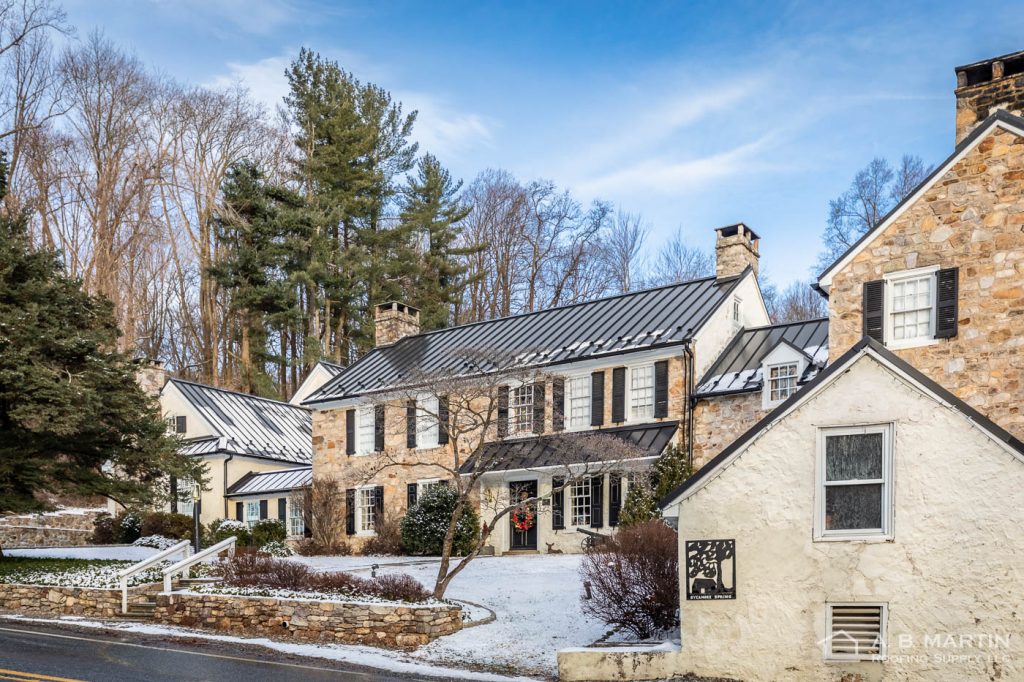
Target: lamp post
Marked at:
196, 491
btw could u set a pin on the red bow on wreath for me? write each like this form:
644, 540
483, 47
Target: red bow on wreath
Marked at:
522, 518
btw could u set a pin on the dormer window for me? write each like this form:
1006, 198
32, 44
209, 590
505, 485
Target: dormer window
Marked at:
782, 381
781, 370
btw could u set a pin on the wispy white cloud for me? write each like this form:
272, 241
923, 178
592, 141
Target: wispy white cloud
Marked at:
264, 79
259, 17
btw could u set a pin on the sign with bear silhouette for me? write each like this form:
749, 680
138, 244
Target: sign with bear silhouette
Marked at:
710, 569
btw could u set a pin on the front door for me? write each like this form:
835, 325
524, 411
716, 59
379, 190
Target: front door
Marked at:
523, 519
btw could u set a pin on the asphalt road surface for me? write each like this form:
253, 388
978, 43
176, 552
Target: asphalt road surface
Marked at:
47, 653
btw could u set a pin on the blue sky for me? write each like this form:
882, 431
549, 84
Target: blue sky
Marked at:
695, 114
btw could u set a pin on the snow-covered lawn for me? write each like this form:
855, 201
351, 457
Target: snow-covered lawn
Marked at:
536, 600
115, 552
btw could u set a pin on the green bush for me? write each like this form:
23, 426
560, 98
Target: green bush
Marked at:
127, 527
425, 525
648, 488
222, 529
267, 530
168, 525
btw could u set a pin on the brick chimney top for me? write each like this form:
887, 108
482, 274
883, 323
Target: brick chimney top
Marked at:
394, 321
736, 247
983, 87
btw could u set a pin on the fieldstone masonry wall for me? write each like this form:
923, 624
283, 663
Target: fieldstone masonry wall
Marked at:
976, 101
971, 218
717, 422
46, 530
47, 600
317, 621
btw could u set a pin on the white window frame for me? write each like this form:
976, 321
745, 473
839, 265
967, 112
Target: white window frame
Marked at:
648, 414
737, 311
185, 489
883, 634
891, 280
427, 425
575, 394
366, 423
252, 519
887, 481
296, 520
361, 509
517, 426
587, 494
770, 400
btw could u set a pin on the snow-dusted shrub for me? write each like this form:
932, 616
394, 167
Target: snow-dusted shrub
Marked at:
168, 525
278, 548
387, 536
268, 530
127, 528
425, 525
222, 529
103, 530
156, 542
634, 579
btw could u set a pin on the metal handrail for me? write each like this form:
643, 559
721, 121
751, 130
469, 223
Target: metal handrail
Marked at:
184, 548
188, 562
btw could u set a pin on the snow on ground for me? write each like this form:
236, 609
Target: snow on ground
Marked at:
89, 552
536, 600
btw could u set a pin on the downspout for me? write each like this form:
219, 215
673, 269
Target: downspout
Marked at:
222, 444
690, 401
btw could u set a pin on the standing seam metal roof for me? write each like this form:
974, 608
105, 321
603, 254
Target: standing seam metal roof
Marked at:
619, 324
272, 482
254, 426
738, 368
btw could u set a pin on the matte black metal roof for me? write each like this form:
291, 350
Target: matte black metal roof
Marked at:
249, 425
738, 368
628, 322
272, 482
559, 449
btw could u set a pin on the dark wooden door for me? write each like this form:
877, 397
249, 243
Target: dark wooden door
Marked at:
523, 539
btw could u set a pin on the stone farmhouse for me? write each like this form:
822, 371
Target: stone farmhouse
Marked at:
863, 528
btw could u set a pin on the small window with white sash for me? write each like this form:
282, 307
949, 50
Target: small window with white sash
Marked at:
252, 513
854, 483
296, 519
782, 381
578, 394
855, 632
521, 409
641, 392
365, 430
426, 422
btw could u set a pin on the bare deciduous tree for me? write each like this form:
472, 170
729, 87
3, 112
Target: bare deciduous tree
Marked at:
621, 249
677, 261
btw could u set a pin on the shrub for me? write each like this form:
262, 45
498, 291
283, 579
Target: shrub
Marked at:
634, 579
222, 529
156, 542
278, 548
168, 525
646, 489
425, 525
267, 530
310, 547
127, 527
387, 538
103, 530
399, 587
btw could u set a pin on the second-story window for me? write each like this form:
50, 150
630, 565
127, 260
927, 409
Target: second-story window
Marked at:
578, 394
782, 380
521, 409
426, 422
641, 392
365, 430
912, 302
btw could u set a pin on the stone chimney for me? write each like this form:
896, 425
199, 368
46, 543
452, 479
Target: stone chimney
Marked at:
984, 87
394, 321
735, 249
151, 376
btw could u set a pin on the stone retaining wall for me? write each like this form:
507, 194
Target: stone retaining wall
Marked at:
310, 620
48, 600
47, 530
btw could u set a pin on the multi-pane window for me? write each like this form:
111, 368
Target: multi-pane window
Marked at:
782, 381
578, 394
366, 509
296, 522
365, 430
641, 392
426, 422
185, 490
521, 408
911, 306
581, 502
856, 474
252, 513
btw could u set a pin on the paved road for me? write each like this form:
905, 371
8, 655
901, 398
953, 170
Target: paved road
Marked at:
45, 653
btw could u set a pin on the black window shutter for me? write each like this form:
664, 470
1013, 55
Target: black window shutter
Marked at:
502, 411
538, 407
174, 495
282, 509
596, 502
378, 428
411, 492
180, 425
442, 420
557, 504
614, 498
597, 399
946, 312
660, 391
874, 309
378, 504
618, 395
410, 424
239, 512
558, 404
350, 432
263, 509
350, 511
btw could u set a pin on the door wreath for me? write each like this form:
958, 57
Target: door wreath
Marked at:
522, 518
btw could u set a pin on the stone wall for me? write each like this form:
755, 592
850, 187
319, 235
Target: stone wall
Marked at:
47, 530
47, 600
974, 103
718, 421
971, 218
308, 620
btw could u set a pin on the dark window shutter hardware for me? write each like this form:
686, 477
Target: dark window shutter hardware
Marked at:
874, 310
538, 407
411, 494
558, 404
378, 428
263, 510
618, 395
350, 511
378, 505
597, 399
350, 432
410, 424
661, 388
557, 504
946, 305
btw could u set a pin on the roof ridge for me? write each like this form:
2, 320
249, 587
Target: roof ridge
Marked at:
238, 393
785, 324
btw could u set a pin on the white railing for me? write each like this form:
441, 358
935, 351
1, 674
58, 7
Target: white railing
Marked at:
188, 562
184, 548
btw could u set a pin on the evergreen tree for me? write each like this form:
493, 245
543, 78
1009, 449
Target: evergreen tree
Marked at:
642, 498
431, 213
73, 420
